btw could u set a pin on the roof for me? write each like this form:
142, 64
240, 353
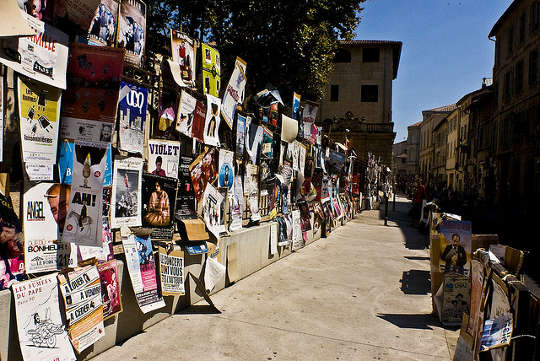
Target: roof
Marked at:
443, 109
396, 49
503, 17
415, 124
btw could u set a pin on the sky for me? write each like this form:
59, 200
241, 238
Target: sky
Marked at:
446, 51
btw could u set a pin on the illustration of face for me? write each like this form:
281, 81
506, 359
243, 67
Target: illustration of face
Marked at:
58, 197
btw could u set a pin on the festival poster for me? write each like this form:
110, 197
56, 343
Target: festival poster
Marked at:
171, 272
45, 208
186, 113
240, 135
42, 56
65, 163
111, 297
159, 198
212, 120
81, 293
305, 215
142, 272
226, 169
39, 114
267, 144
166, 122
102, 30
309, 115
251, 190
237, 204
185, 198
83, 225
212, 206
132, 30
11, 245
234, 94
455, 299
211, 70
126, 201
133, 102
203, 171
42, 332
183, 54
163, 157
296, 106
199, 118
89, 106
455, 246
253, 139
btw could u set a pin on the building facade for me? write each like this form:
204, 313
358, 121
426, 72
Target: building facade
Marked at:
359, 96
453, 126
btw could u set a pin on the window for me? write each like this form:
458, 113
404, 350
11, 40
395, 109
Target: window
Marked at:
342, 56
519, 77
533, 67
522, 20
510, 42
334, 93
370, 93
370, 55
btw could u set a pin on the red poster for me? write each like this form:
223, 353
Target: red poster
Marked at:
198, 121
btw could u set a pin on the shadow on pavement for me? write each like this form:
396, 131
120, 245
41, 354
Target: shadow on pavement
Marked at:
417, 321
416, 282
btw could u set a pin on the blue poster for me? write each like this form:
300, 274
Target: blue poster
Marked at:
65, 164
132, 105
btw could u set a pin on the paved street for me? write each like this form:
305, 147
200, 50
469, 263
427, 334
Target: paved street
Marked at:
340, 298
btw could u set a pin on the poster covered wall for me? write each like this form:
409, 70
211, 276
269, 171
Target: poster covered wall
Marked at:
132, 30
133, 102
234, 94
211, 70
163, 157
126, 194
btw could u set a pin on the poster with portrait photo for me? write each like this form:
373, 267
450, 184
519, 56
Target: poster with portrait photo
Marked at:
163, 157
183, 54
185, 198
186, 113
203, 171
133, 102
110, 289
11, 245
83, 224
45, 208
251, 190
226, 169
212, 120
159, 198
211, 70
165, 124
234, 94
455, 246
212, 207
126, 202
102, 31
132, 30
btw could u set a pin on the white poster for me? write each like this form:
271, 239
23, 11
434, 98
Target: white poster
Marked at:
234, 94
83, 222
213, 272
42, 334
253, 139
45, 207
42, 56
171, 272
226, 169
186, 110
163, 157
297, 240
211, 124
237, 204
212, 202
126, 194
183, 58
251, 190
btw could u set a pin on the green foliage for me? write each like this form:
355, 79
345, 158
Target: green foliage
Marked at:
290, 44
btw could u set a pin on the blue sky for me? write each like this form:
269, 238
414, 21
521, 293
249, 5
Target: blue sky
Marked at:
446, 51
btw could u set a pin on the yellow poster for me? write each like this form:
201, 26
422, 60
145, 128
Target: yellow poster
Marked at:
211, 70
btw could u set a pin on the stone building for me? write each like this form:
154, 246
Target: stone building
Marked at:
440, 149
406, 154
452, 139
359, 96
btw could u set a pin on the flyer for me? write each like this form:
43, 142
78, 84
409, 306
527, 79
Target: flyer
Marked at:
251, 190
183, 54
133, 102
212, 210
142, 272
305, 215
159, 197
11, 245
126, 202
237, 204
296, 105
267, 150
39, 114
168, 106
110, 289
455, 246
203, 171
65, 163
42, 56
42, 333
163, 157
211, 70
83, 221
212, 120
186, 114
297, 240
234, 94
132, 30
253, 139
102, 30
455, 298
309, 115
81, 292
45, 207
240, 135
226, 169
185, 197
171, 272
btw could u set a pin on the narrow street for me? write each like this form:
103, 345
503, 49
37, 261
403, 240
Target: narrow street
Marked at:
340, 298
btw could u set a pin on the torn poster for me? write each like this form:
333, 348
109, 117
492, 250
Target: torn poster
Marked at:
226, 169
171, 272
42, 332
45, 208
81, 291
12, 246
132, 30
39, 114
126, 199
211, 70
237, 204
110, 289
212, 210
159, 198
133, 102
240, 135
142, 272
102, 30
183, 55
211, 125
163, 157
186, 113
234, 94
42, 56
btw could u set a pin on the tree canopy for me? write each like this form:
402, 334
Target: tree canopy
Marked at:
290, 44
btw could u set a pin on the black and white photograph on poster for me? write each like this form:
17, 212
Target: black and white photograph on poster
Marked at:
213, 217
45, 208
159, 198
237, 204
126, 199
186, 110
132, 30
253, 139
226, 169
213, 118
251, 190
185, 197
83, 224
163, 157
132, 104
